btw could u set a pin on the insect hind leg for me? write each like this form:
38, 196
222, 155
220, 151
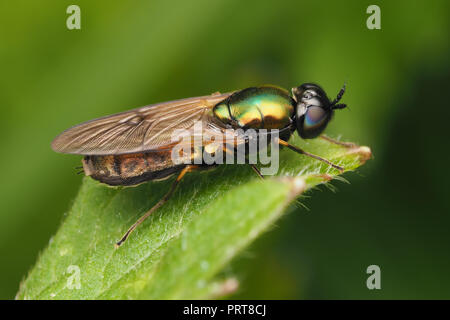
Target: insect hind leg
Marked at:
188, 168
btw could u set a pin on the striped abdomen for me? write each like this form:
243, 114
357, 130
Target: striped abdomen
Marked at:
130, 169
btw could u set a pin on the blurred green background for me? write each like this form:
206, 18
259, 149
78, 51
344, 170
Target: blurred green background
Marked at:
395, 213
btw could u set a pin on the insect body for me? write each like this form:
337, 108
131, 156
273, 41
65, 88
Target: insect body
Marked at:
135, 146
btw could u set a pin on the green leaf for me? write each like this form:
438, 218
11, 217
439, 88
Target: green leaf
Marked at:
178, 252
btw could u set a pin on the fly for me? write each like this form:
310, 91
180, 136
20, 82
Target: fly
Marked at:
135, 146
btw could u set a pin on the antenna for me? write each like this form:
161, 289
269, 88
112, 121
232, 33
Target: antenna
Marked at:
338, 98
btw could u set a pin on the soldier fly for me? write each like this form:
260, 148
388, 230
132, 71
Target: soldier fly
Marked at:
135, 146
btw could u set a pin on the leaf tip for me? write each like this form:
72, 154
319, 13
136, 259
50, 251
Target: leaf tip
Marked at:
224, 288
365, 153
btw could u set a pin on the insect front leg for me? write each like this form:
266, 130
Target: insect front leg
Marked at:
340, 143
298, 150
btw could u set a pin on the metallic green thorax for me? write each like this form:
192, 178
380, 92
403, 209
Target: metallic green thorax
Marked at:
265, 107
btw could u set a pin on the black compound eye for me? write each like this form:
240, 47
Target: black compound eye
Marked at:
313, 122
314, 117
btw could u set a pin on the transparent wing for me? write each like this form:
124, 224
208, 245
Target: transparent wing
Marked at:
140, 130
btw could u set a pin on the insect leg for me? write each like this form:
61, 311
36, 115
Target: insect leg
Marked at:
340, 143
163, 200
298, 150
255, 168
